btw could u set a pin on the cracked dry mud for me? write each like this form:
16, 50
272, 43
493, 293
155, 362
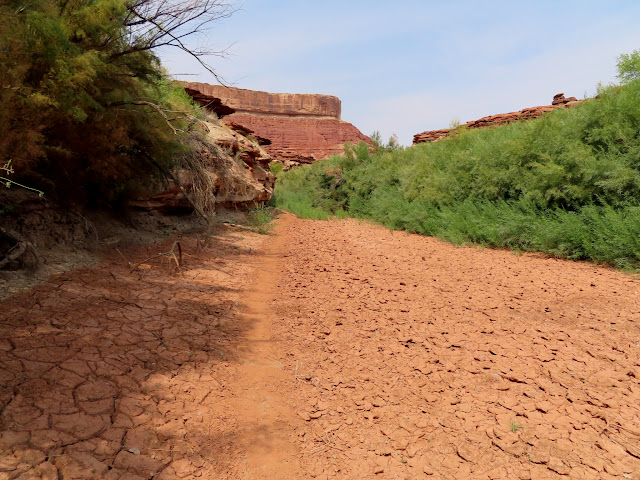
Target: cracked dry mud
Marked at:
328, 350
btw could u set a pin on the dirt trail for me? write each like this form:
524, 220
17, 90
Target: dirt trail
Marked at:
113, 374
265, 419
328, 350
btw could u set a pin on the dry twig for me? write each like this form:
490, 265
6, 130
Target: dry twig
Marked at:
170, 254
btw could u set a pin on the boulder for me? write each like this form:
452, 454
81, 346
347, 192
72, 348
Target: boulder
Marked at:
293, 128
234, 165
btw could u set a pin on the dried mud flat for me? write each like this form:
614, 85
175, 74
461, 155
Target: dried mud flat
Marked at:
109, 373
328, 350
427, 360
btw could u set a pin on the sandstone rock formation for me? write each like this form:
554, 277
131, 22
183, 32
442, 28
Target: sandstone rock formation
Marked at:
233, 166
252, 101
559, 101
302, 128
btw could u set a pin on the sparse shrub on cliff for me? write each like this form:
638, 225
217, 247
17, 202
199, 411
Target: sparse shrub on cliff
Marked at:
567, 183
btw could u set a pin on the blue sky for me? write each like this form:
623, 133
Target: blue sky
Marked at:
408, 66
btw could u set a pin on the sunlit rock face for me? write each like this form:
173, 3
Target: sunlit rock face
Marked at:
302, 128
559, 101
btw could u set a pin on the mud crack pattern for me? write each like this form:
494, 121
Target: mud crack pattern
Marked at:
328, 350
423, 360
108, 374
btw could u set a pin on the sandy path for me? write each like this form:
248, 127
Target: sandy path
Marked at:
108, 374
329, 350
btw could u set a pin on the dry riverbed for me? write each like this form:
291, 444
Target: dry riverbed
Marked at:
330, 350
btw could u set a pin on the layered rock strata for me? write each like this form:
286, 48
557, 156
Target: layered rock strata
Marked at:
302, 128
559, 101
231, 163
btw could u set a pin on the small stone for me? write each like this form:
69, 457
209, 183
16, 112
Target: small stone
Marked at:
556, 465
304, 415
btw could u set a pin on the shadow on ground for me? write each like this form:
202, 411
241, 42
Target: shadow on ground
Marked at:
108, 373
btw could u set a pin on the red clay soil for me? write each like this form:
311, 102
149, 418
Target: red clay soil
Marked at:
329, 350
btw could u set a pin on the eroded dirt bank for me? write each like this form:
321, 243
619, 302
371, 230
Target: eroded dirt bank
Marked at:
329, 350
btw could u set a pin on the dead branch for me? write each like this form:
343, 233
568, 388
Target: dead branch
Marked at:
170, 254
169, 175
164, 112
152, 24
21, 246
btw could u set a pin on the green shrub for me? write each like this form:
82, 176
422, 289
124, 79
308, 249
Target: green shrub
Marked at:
85, 102
566, 183
276, 168
260, 217
629, 66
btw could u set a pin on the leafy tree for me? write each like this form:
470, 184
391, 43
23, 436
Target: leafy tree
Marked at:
84, 98
379, 145
629, 66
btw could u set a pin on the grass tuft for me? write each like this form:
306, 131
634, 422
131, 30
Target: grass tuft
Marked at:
260, 218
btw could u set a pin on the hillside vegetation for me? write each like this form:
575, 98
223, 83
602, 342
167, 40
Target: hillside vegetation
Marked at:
567, 183
88, 112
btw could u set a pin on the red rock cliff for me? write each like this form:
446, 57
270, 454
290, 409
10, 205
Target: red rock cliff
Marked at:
302, 128
559, 101
242, 100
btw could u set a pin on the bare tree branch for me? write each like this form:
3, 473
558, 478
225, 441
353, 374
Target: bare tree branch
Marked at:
151, 24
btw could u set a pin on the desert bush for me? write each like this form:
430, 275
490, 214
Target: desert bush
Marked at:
567, 183
276, 168
85, 102
629, 66
260, 218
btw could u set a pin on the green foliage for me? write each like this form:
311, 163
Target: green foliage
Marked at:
514, 426
82, 105
567, 183
276, 168
378, 143
260, 217
629, 66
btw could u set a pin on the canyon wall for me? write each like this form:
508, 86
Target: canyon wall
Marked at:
253, 101
300, 128
559, 101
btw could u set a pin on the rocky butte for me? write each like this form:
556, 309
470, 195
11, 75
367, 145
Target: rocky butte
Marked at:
293, 128
559, 101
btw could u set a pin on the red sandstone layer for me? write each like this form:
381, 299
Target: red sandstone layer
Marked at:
253, 101
302, 128
559, 101
300, 139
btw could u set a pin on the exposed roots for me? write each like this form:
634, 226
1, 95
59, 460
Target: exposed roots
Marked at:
21, 249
